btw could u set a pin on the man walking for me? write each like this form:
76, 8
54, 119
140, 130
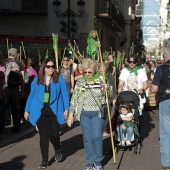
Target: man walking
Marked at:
161, 82
12, 90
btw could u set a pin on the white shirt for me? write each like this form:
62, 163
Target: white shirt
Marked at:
125, 115
131, 81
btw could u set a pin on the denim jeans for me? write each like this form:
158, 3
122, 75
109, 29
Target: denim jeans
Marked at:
164, 124
68, 88
120, 133
92, 125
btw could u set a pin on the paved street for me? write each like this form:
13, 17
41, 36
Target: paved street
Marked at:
21, 151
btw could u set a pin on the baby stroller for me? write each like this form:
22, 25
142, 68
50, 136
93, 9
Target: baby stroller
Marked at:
133, 98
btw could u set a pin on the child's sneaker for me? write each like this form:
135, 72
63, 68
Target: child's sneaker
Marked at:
98, 166
122, 143
89, 167
128, 142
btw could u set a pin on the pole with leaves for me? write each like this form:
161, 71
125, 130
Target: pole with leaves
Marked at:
39, 56
23, 49
7, 45
73, 51
107, 101
46, 55
20, 53
64, 52
55, 47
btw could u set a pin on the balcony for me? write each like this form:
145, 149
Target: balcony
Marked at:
23, 6
111, 16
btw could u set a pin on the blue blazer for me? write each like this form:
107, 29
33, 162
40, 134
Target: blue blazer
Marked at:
59, 101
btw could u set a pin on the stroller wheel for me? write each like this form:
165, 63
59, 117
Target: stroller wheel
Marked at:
134, 150
138, 148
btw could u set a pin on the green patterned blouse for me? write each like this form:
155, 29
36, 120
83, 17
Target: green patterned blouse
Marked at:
88, 97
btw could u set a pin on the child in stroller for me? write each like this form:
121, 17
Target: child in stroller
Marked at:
127, 121
125, 124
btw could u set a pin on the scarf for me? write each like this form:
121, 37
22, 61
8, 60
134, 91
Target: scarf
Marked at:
134, 70
95, 76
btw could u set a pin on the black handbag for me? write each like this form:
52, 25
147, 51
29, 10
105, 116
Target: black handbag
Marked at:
103, 111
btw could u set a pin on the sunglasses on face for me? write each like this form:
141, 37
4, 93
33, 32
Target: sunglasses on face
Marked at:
159, 63
88, 72
50, 66
134, 62
65, 60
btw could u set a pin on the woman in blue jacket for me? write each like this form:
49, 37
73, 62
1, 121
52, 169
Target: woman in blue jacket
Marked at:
47, 107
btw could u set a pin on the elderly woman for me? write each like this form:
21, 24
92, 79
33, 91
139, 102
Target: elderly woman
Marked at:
85, 105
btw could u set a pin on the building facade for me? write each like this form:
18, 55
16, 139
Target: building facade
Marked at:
111, 18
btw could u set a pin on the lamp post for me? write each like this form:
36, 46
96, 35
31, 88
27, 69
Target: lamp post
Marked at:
68, 13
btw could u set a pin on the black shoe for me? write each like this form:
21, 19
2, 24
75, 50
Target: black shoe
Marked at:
43, 165
58, 155
15, 130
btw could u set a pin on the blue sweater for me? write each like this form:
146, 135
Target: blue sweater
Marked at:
59, 101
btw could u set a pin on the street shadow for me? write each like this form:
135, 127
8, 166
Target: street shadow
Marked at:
69, 147
146, 125
15, 163
107, 151
12, 138
64, 128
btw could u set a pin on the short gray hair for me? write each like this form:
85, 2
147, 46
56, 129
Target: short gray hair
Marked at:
89, 63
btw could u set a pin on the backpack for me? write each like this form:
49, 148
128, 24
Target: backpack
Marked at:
13, 75
27, 75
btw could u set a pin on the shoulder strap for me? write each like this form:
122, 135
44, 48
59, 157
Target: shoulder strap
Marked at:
168, 64
30, 69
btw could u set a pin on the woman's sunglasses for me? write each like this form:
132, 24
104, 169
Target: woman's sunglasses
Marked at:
134, 62
50, 66
88, 72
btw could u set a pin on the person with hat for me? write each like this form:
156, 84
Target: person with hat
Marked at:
12, 91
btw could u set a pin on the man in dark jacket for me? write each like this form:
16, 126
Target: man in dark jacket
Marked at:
161, 82
12, 93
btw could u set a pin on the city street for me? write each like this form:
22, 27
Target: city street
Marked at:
23, 153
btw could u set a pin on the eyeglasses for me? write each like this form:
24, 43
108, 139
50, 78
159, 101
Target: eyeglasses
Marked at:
65, 60
50, 66
158, 63
89, 72
134, 62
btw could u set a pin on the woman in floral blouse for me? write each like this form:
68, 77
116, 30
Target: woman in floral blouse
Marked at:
85, 105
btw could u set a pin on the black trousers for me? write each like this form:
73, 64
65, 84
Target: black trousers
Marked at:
48, 127
12, 97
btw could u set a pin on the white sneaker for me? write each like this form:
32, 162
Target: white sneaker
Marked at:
128, 142
122, 143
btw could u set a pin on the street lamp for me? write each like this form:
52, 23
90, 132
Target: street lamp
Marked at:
69, 14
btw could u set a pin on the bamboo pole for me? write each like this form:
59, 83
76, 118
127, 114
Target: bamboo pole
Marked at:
7, 46
23, 49
64, 52
20, 53
55, 51
107, 102
73, 50
78, 51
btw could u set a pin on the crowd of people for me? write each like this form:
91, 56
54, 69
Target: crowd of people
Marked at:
47, 97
